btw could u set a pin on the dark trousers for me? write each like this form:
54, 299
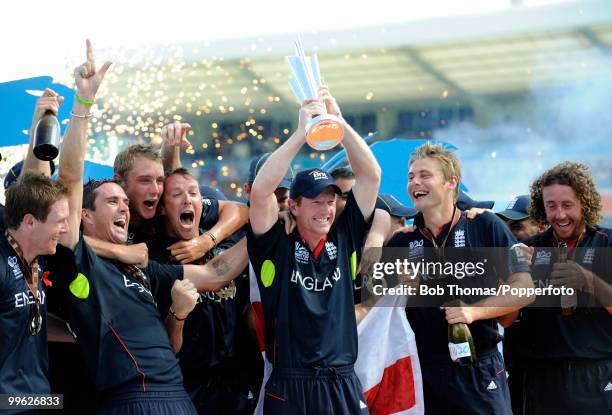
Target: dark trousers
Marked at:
150, 402
478, 389
222, 397
568, 387
316, 391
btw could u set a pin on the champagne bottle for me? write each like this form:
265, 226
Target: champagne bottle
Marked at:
47, 137
568, 302
460, 344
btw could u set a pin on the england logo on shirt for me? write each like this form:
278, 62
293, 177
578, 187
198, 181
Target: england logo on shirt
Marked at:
589, 256
332, 251
301, 254
459, 238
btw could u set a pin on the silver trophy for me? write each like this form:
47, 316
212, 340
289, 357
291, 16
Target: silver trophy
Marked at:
324, 131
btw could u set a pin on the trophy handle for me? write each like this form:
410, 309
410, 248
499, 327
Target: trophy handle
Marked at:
324, 132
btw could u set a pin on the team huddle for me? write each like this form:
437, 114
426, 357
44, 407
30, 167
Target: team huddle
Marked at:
155, 276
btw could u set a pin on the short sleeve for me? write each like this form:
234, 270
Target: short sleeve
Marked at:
265, 252
162, 278
512, 259
210, 213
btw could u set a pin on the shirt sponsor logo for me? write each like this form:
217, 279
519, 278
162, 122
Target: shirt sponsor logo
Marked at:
332, 251
608, 387
13, 262
492, 386
313, 284
589, 255
26, 298
206, 201
301, 254
459, 238
542, 258
133, 284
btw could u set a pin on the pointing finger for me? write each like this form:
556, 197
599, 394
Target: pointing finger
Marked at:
90, 57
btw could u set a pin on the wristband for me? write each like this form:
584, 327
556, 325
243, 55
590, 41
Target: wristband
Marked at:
214, 239
173, 314
83, 100
81, 116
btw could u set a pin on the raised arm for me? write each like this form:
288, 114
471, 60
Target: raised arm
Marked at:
72, 156
49, 101
263, 211
173, 136
220, 270
363, 163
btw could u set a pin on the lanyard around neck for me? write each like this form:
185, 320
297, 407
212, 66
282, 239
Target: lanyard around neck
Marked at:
427, 233
31, 270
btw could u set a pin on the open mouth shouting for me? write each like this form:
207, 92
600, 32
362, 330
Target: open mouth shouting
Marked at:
148, 207
121, 223
186, 218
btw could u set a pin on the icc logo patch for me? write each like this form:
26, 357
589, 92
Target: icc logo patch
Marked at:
542, 258
12, 261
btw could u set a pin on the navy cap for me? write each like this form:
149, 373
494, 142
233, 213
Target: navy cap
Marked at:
14, 172
259, 161
389, 203
310, 183
209, 192
517, 209
464, 202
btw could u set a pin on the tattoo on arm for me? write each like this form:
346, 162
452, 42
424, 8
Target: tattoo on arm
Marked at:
221, 266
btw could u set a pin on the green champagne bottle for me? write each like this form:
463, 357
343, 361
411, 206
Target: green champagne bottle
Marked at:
460, 344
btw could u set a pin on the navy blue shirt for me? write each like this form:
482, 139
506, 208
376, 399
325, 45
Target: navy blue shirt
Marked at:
429, 323
209, 333
24, 366
115, 319
586, 334
308, 308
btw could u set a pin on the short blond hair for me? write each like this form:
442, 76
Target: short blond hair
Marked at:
125, 160
449, 163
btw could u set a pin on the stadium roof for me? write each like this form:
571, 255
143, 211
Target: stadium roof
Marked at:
467, 56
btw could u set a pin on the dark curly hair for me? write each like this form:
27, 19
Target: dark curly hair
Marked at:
576, 176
